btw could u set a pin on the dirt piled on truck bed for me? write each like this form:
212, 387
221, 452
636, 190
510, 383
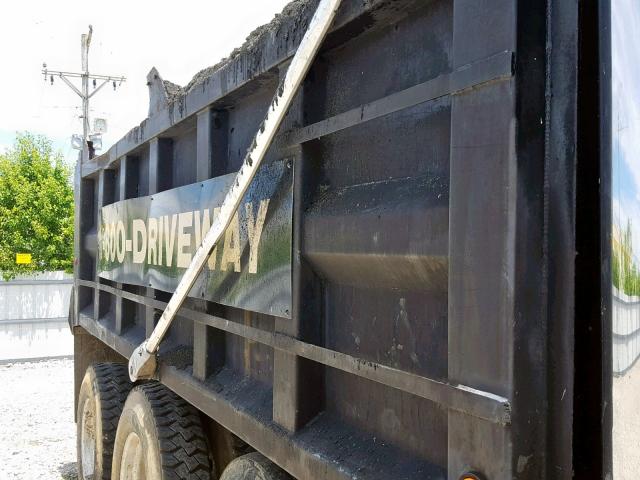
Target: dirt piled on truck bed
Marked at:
292, 10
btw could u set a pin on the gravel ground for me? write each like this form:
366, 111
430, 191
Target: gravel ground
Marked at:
626, 424
37, 431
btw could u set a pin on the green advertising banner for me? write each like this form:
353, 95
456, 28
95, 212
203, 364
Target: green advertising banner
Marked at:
149, 241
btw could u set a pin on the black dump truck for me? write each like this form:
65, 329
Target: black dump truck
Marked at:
428, 273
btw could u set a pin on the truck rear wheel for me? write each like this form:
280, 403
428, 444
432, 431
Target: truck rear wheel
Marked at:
160, 437
253, 466
102, 394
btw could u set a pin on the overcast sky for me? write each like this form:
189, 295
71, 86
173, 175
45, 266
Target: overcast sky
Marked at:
129, 37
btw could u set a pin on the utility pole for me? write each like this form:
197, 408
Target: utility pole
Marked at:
83, 92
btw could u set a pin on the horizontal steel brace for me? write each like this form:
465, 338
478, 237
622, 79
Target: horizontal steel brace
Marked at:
461, 398
264, 435
495, 68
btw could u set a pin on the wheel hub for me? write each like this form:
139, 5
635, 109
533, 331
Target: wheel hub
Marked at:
132, 464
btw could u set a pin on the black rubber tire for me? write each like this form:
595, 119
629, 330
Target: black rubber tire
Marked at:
253, 466
169, 432
102, 395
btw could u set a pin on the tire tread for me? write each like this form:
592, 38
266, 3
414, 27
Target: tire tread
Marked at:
112, 381
182, 443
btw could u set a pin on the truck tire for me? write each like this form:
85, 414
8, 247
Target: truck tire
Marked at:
254, 466
160, 437
102, 394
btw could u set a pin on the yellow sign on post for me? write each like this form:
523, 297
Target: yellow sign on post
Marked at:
23, 258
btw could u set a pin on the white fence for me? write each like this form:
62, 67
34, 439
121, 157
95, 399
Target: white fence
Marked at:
33, 316
626, 331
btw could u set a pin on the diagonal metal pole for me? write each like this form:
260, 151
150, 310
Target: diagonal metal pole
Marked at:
142, 363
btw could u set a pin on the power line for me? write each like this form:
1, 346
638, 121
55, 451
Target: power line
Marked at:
83, 92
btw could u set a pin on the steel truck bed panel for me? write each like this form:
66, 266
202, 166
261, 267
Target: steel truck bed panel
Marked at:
411, 335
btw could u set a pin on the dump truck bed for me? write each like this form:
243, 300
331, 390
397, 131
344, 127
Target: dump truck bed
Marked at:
404, 311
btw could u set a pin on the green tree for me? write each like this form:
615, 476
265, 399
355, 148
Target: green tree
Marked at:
36, 208
625, 273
